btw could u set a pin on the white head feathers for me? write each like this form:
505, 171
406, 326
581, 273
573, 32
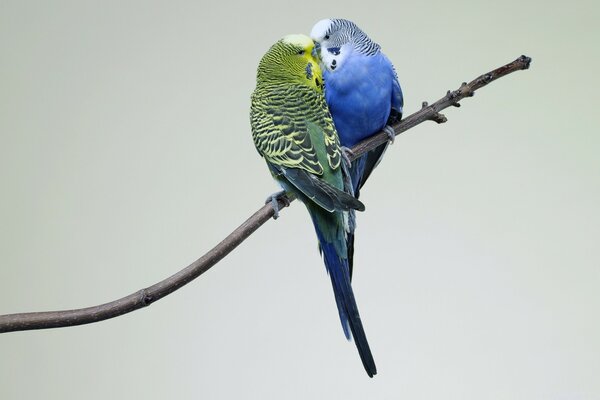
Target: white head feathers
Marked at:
337, 38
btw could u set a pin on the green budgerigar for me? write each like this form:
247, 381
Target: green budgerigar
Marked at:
294, 131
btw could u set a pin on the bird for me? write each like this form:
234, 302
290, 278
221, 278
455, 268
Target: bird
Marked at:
362, 92
293, 131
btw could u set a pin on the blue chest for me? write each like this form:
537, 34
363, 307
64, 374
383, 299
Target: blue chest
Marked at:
359, 96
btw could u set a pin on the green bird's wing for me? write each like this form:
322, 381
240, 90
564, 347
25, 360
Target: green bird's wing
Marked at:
293, 130
326, 196
279, 121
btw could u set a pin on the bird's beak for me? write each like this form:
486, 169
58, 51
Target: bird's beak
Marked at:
316, 50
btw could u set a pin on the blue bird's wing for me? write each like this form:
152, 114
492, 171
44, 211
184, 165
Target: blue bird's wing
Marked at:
365, 166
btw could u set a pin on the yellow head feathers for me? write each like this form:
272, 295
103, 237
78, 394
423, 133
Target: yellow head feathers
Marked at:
291, 60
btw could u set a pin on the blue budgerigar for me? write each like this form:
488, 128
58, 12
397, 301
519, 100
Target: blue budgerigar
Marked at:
361, 90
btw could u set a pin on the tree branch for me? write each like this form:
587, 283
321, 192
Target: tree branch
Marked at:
432, 112
147, 296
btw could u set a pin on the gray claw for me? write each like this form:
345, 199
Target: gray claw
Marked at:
274, 200
346, 164
390, 132
346, 154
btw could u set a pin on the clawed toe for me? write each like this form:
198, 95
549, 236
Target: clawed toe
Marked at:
390, 132
274, 200
347, 154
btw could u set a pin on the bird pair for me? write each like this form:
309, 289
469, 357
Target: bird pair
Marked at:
314, 97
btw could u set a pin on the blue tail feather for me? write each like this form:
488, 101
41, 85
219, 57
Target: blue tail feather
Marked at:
338, 270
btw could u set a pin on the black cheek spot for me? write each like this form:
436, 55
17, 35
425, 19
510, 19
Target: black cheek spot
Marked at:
333, 62
333, 66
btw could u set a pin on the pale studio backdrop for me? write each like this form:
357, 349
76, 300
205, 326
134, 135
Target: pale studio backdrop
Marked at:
126, 153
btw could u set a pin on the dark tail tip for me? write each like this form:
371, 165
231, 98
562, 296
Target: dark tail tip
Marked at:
362, 345
367, 360
371, 369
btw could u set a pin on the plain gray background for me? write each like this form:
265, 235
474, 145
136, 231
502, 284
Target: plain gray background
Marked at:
125, 154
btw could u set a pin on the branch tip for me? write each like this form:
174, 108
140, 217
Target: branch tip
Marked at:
526, 61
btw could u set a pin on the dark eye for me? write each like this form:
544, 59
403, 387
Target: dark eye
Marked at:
326, 37
300, 52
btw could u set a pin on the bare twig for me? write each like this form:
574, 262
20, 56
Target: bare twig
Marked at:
145, 297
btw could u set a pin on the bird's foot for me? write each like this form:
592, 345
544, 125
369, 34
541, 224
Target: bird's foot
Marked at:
390, 132
346, 164
274, 200
347, 153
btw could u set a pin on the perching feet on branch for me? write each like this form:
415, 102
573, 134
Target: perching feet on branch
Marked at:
274, 200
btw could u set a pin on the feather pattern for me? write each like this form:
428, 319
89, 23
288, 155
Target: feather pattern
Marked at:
281, 134
293, 130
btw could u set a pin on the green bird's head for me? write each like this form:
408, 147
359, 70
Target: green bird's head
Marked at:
291, 60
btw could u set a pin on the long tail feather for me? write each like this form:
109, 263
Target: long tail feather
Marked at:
338, 270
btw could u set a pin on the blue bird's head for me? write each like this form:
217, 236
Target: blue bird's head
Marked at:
337, 39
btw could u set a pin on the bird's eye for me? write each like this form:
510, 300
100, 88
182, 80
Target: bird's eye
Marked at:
300, 52
326, 37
